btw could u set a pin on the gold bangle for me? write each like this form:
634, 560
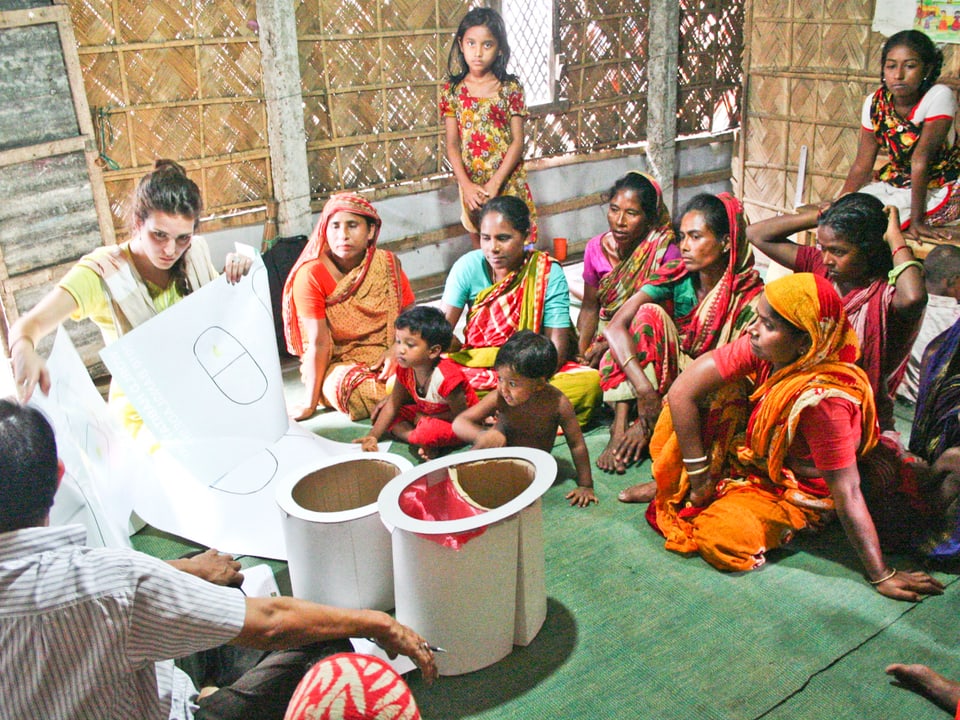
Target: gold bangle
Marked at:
884, 578
629, 360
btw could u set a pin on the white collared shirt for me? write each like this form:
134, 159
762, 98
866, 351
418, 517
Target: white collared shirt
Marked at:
83, 630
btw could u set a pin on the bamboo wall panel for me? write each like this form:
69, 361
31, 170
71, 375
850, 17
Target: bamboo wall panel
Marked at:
180, 79
710, 75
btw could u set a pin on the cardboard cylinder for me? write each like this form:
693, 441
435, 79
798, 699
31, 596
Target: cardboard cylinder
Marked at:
338, 551
475, 602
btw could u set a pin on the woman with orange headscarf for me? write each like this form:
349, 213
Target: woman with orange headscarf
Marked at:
731, 495
339, 305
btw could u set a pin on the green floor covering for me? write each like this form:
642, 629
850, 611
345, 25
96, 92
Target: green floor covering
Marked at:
634, 631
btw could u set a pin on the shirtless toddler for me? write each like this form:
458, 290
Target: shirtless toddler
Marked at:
528, 409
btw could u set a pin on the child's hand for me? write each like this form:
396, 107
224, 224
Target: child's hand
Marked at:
581, 496
475, 196
491, 438
368, 443
492, 188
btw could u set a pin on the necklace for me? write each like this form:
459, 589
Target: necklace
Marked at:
421, 387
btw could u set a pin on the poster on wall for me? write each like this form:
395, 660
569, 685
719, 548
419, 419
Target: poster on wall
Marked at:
892, 16
939, 19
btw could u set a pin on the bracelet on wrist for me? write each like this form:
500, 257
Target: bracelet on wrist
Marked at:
701, 471
898, 249
18, 339
895, 272
695, 460
884, 578
628, 361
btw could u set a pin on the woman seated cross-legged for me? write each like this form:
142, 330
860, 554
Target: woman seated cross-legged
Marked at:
508, 289
713, 299
738, 473
340, 302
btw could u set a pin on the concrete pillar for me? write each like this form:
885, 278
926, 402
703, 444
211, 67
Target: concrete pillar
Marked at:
663, 40
280, 63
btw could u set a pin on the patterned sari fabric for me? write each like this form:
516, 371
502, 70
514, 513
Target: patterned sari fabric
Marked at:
348, 686
936, 424
722, 316
516, 303
936, 429
869, 310
631, 273
758, 503
899, 136
360, 314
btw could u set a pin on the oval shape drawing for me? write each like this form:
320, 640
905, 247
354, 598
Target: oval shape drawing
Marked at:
252, 476
230, 366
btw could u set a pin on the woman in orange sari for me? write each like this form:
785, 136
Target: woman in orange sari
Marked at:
339, 304
730, 496
713, 299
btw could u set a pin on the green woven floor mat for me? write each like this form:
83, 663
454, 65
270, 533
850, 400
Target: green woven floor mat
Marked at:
634, 631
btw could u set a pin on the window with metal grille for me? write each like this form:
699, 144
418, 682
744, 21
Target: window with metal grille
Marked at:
532, 58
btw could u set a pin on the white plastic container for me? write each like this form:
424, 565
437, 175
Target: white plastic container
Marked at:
480, 600
338, 551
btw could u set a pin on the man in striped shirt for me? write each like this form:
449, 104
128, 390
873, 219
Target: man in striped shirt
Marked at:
89, 632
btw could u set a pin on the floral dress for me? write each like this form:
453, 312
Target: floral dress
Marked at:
485, 135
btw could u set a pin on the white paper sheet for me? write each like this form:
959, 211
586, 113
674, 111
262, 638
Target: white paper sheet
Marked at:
892, 16
101, 462
205, 376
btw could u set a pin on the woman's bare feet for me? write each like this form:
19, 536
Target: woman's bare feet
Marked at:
608, 460
930, 684
639, 493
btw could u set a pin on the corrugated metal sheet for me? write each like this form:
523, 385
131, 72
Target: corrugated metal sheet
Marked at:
35, 101
47, 217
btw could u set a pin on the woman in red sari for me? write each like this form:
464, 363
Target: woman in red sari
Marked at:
339, 304
713, 299
861, 250
732, 495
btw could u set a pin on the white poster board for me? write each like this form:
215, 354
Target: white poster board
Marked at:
205, 377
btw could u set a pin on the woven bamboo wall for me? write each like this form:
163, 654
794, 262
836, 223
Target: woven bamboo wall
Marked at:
810, 63
710, 75
181, 78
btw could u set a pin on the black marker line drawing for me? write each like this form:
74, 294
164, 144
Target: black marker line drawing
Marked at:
231, 366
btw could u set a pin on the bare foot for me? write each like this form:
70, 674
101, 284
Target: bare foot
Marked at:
639, 493
428, 453
932, 685
608, 458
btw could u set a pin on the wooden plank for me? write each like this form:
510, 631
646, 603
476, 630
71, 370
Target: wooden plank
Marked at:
15, 156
